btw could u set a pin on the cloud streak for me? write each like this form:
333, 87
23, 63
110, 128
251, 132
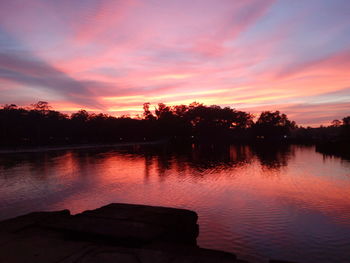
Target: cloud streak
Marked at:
27, 70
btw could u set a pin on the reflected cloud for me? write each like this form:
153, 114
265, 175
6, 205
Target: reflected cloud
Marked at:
286, 191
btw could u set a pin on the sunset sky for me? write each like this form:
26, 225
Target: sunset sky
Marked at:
112, 56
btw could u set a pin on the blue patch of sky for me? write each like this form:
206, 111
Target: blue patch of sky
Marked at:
342, 95
314, 30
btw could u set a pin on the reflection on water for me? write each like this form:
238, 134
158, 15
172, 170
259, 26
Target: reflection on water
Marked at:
259, 202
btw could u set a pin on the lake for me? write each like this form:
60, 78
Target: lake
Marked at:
260, 202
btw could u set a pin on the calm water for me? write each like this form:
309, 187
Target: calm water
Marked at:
291, 202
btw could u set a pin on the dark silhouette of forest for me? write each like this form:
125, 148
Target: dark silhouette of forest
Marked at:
38, 124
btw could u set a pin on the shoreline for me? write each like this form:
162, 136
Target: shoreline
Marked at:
75, 147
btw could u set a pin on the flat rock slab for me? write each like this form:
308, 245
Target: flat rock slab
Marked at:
177, 225
16, 224
164, 216
136, 255
38, 249
130, 225
113, 233
127, 233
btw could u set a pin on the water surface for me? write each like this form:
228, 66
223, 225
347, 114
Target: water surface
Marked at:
287, 203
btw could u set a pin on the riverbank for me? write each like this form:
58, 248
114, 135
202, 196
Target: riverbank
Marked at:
335, 148
74, 147
338, 148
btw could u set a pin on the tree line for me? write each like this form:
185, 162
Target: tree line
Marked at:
39, 124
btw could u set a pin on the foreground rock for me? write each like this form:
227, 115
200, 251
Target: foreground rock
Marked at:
113, 233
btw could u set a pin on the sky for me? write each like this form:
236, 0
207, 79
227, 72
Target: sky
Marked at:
112, 56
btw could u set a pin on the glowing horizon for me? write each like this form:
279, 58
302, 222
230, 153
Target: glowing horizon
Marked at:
112, 56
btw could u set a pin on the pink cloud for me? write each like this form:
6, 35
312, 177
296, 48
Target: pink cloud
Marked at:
338, 63
236, 53
96, 21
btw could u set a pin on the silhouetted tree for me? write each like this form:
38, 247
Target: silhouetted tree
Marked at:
336, 123
346, 121
147, 114
80, 116
39, 124
41, 106
273, 125
345, 128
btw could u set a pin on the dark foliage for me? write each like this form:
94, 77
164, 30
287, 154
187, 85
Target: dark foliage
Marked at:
338, 141
273, 125
41, 125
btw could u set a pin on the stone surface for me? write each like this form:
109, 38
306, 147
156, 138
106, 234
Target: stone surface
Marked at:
6, 237
113, 233
16, 224
280, 261
123, 232
121, 254
38, 249
176, 225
